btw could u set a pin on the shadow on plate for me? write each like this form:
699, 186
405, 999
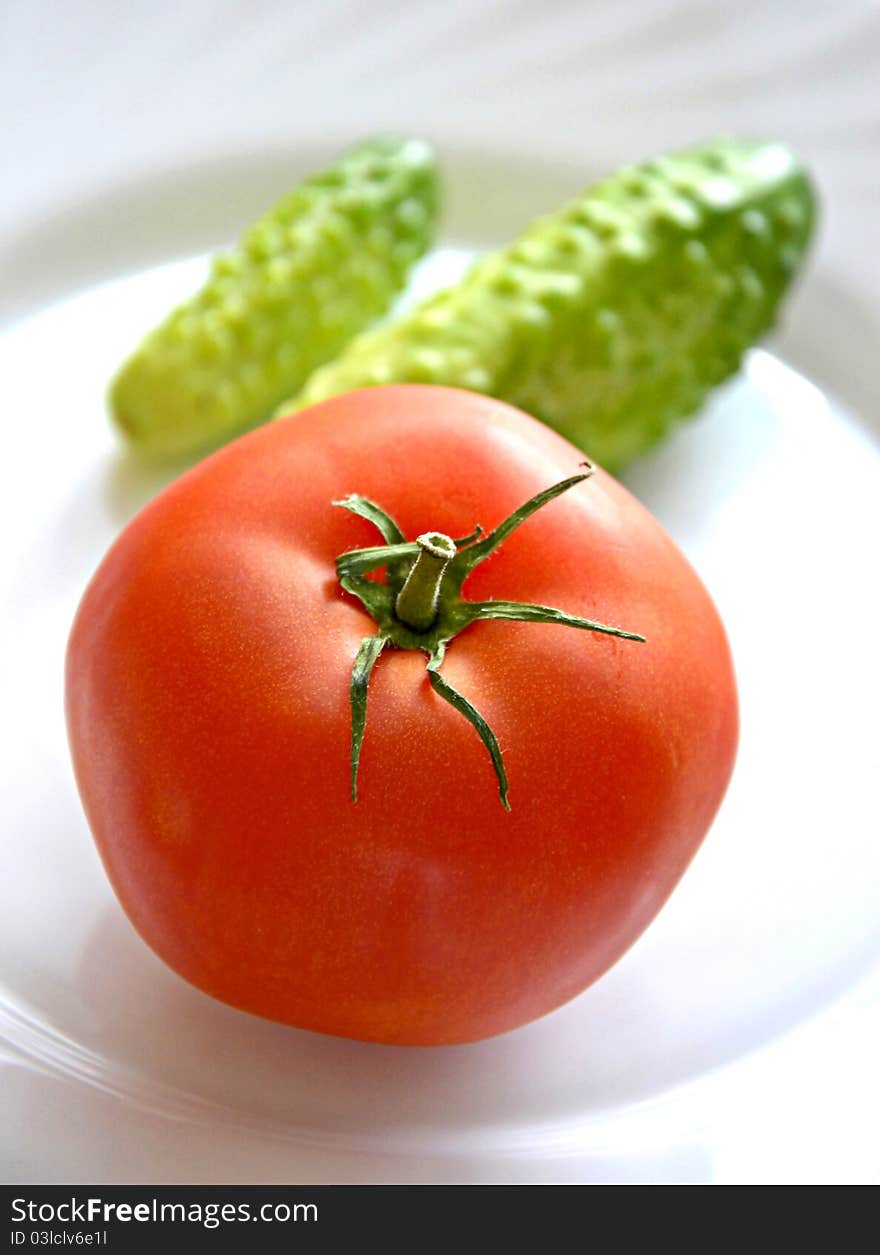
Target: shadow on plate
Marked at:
149, 1023
71, 1134
130, 482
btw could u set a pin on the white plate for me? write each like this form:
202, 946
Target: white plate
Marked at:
690, 1060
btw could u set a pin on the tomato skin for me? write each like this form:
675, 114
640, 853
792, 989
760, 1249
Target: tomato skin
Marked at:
208, 712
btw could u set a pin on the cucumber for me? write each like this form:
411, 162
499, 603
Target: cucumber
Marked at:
612, 318
319, 266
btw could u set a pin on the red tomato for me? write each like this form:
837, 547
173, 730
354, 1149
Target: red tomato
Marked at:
208, 710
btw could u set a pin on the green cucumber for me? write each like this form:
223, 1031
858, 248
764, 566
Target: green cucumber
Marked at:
307, 276
612, 318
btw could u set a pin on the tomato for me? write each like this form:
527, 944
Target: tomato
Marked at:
208, 691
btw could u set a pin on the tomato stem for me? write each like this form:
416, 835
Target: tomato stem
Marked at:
458, 702
371, 648
417, 601
420, 606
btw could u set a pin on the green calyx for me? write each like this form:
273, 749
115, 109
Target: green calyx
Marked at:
420, 606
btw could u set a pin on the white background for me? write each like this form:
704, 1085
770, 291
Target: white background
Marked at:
93, 91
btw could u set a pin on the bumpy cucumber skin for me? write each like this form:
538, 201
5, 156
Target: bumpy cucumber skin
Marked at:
612, 318
311, 273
